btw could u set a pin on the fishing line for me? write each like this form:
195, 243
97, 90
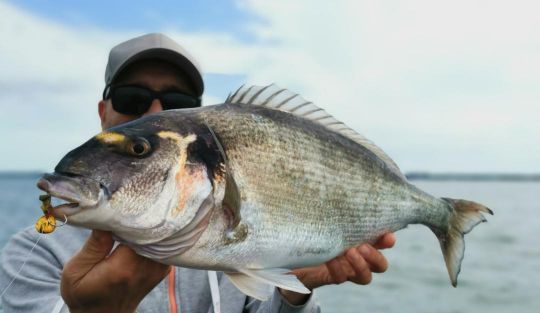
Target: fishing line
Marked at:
27, 258
22, 266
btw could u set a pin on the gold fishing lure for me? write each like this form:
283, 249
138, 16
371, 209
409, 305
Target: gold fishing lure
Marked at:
47, 223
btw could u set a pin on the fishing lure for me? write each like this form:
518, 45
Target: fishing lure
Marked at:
46, 224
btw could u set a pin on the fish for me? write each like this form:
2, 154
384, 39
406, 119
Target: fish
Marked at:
256, 186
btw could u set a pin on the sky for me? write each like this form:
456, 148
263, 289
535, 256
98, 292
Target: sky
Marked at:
441, 86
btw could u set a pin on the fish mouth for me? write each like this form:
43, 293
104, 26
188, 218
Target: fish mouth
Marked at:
75, 193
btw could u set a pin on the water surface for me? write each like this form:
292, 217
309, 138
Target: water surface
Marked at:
500, 272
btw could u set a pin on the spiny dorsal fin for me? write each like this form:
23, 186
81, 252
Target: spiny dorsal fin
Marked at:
274, 97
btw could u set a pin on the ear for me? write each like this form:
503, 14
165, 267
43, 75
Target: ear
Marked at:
102, 112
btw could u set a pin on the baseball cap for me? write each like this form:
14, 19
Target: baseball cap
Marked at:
153, 46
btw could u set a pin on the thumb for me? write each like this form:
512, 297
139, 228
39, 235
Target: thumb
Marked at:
97, 247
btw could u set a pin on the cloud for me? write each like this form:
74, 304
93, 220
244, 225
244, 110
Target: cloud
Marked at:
439, 86
422, 79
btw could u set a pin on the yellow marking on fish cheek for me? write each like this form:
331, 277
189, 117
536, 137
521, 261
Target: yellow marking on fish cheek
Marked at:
180, 140
186, 178
110, 137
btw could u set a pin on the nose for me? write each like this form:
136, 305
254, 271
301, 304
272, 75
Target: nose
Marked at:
154, 107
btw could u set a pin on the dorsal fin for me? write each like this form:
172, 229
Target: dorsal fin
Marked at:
274, 97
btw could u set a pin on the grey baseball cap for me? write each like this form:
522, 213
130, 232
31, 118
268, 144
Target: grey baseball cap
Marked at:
153, 46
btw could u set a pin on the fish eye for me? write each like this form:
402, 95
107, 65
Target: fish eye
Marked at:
139, 147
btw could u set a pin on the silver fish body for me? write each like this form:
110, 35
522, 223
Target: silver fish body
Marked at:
252, 187
306, 194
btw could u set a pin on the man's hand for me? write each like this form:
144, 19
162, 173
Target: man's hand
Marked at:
94, 281
356, 265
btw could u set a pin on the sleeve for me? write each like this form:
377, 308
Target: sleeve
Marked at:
30, 275
278, 304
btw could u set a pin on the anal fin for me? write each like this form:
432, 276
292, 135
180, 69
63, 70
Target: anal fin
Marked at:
279, 277
251, 286
260, 284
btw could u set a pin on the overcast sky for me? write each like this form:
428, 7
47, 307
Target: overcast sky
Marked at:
439, 85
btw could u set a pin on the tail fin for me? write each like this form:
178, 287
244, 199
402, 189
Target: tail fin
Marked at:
465, 215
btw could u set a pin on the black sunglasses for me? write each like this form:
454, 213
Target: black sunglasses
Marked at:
136, 100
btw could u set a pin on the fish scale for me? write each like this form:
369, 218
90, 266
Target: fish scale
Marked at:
325, 171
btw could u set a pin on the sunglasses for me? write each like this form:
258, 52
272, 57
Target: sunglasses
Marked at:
136, 100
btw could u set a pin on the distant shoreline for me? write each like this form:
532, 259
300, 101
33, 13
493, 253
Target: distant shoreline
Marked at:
411, 176
472, 176
20, 174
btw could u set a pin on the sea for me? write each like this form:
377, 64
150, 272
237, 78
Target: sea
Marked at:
500, 271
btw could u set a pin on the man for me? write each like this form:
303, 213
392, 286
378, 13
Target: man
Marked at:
144, 75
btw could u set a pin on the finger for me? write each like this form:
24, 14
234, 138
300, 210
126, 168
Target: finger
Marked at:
374, 258
338, 275
361, 267
129, 267
96, 248
313, 276
347, 267
386, 241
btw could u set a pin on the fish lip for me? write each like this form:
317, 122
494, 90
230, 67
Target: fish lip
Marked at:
47, 186
65, 210
55, 186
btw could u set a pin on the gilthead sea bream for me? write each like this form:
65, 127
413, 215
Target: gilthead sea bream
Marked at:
254, 187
